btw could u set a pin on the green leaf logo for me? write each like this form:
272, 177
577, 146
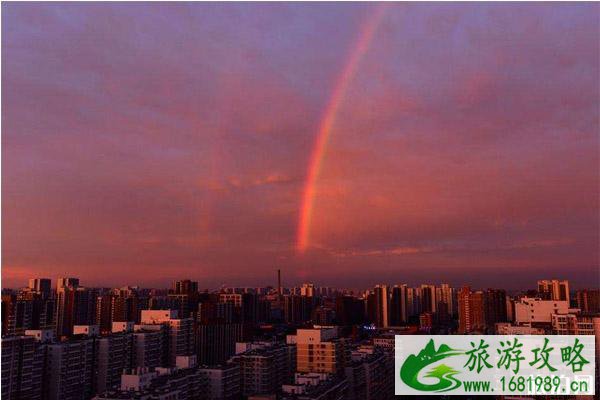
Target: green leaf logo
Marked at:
413, 365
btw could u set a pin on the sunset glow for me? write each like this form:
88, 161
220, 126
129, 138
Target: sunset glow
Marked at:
348, 144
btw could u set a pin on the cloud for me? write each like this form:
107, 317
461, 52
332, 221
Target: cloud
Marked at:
269, 179
454, 247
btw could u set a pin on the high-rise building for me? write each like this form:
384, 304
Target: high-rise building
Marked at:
150, 346
117, 306
307, 289
104, 312
413, 302
464, 310
43, 309
71, 367
219, 328
478, 311
124, 305
232, 298
22, 368
588, 300
554, 290
349, 310
471, 311
572, 324
495, 307
184, 298
446, 294
297, 309
185, 287
537, 311
181, 331
26, 310
75, 306
381, 302
370, 374
320, 350
510, 309
41, 286
398, 311
323, 315
65, 310
8, 304
224, 381
428, 299
67, 282
215, 342
115, 353
85, 306
181, 334
264, 366
427, 321
251, 311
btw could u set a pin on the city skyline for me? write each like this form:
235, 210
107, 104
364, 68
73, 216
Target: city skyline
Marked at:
347, 145
527, 286
235, 343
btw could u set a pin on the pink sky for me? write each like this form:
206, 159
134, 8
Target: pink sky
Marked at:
146, 143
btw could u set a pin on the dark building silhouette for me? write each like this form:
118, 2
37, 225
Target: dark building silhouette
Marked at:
398, 300
350, 310
495, 307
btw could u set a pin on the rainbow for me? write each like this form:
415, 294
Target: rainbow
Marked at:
326, 125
